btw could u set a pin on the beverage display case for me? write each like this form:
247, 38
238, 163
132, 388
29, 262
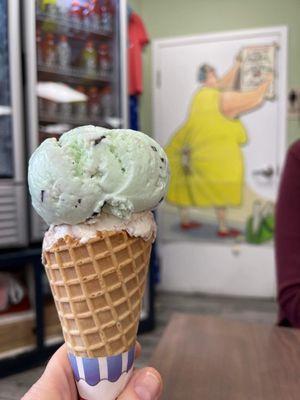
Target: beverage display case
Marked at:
13, 220
75, 54
74, 60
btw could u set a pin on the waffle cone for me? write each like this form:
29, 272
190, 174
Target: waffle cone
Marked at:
98, 288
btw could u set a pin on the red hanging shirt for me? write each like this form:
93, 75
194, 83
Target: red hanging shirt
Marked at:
138, 38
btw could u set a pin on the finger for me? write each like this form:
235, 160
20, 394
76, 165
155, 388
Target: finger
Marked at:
57, 381
146, 384
59, 364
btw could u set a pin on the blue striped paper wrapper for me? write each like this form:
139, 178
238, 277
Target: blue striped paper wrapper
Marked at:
104, 377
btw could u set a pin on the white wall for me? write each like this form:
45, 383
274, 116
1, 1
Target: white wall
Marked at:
190, 268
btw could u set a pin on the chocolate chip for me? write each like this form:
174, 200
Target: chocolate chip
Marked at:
97, 141
153, 148
76, 205
92, 216
163, 160
123, 169
42, 195
79, 201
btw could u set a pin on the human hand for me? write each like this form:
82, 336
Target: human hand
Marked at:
57, 381
265, 85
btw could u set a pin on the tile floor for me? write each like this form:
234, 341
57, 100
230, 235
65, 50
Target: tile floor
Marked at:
262, 311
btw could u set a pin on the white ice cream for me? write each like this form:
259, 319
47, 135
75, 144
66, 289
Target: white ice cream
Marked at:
138, 225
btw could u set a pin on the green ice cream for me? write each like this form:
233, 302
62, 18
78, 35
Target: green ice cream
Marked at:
92, 169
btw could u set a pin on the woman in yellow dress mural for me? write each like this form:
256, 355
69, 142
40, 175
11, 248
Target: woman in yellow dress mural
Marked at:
206, 161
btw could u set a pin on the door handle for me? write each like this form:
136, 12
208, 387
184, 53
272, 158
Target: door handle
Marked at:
266, 172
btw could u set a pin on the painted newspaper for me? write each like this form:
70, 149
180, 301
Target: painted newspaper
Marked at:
257, 62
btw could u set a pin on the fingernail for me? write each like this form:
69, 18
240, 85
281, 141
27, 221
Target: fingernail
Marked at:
147, 386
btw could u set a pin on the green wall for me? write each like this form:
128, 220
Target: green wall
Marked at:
136, 5
167, 18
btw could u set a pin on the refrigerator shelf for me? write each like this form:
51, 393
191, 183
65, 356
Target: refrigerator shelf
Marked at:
73, 75
72, 120
68, 27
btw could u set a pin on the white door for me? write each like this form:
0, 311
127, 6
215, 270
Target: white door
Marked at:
220, 266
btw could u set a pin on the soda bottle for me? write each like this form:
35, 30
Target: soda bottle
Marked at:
51, 108
63, 7
75, 13
106, 16
94, 103
65, 110
80, 108
49, 7
64, 52
39, 46
49, 50
104, 59
41, 105
94, 11
106, 102
39, 6
89, 58
86, 16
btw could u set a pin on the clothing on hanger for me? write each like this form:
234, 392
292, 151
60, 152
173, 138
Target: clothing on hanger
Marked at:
138, 38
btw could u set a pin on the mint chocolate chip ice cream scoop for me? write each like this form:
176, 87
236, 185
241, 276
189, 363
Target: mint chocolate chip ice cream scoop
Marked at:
92, 169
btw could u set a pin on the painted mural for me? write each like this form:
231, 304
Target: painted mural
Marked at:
206, 151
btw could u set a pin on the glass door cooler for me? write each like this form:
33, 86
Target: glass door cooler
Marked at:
75, 53
13, 220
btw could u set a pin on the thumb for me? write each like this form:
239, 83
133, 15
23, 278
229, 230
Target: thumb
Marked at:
57, 381
146, 384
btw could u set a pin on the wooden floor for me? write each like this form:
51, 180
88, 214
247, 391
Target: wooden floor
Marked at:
264, 311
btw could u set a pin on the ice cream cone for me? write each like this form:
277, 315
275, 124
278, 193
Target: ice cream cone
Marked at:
95, 188
98, 288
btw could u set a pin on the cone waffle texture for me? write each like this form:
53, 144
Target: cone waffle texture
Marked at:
98, 288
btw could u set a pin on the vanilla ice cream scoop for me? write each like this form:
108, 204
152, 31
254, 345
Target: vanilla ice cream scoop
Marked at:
90, 169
